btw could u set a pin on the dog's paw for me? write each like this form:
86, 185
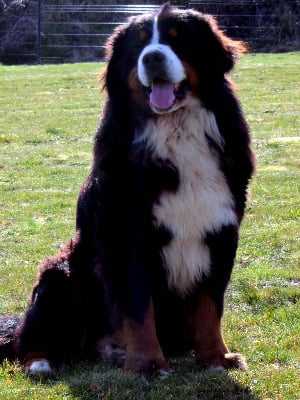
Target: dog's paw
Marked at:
235, 360
222, 362
39, 367
111, 352
146, 366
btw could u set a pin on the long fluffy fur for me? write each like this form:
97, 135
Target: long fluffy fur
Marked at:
159, 214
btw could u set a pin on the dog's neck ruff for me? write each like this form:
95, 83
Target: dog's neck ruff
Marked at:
202, 204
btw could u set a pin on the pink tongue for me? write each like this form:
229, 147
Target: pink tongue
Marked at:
162, 95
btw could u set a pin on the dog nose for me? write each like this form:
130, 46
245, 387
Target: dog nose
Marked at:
153, 60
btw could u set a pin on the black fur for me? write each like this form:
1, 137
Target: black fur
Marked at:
113, 266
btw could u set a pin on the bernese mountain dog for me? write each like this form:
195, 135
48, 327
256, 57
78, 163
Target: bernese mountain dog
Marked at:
158, 217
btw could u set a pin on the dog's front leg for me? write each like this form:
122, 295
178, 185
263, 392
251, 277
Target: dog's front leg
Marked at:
210, 348
143, 352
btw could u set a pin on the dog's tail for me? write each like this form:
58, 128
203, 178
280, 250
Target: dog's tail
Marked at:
8, 327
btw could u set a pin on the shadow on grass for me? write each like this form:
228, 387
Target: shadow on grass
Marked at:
187, 382
89, 381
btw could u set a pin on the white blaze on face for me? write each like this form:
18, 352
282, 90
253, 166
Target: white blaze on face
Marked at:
155, 34
162, 95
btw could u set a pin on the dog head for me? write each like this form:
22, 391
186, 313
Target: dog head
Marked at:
155, 61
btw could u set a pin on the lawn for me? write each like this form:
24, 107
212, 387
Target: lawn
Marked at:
48, 115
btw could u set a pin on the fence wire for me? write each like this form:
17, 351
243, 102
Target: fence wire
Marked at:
39, 32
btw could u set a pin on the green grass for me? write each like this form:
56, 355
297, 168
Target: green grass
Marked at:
48, 115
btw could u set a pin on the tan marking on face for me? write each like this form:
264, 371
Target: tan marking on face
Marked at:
133, 81
137, 92
173, 32
192, 77
143, 36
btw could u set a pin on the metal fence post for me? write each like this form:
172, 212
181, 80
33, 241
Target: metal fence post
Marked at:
39, 33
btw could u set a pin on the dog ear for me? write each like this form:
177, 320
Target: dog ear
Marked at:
222, 51
217, 52
111, 76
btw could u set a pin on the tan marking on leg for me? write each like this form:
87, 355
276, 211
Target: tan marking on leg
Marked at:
210, 348
143, 352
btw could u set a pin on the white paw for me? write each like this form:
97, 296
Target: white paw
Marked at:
163, 373
39, 367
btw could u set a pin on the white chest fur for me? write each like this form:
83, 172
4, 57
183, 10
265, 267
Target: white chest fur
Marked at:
203, 202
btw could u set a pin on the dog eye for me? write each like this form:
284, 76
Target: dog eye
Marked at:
141, 39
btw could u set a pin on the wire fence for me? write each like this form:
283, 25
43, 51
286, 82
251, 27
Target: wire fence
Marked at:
54, 32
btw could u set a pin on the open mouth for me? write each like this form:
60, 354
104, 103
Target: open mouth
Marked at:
165, 96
